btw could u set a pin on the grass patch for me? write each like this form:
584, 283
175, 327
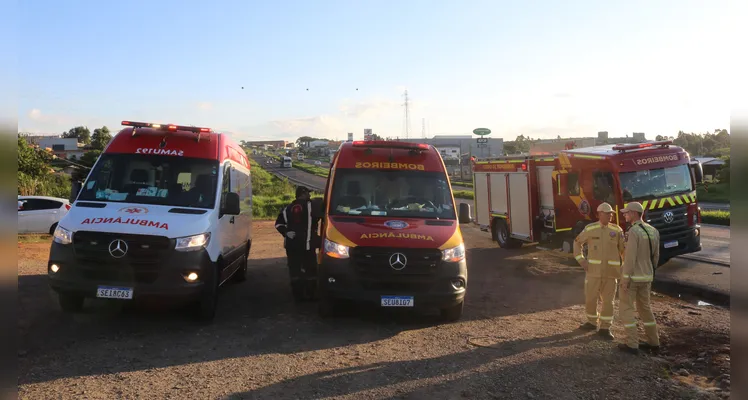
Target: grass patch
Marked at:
715, 217
33, 238
311, 169
269, 193
462, 183
717, 193
464, 194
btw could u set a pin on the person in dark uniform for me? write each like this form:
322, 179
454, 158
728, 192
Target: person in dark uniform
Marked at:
298, 223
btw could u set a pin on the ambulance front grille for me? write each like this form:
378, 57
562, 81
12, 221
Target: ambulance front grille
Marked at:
376, 261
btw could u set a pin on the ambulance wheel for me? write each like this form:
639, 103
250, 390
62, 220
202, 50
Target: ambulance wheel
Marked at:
502, 236
327, 307
205, 307
70, 303
453, 313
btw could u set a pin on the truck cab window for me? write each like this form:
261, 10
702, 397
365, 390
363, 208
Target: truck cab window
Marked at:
602, 187
572, 183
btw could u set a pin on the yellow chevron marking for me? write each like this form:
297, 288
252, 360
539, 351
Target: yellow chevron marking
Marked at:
653, 205
670, 200
644, 205
686, 199
677, 199
693, 197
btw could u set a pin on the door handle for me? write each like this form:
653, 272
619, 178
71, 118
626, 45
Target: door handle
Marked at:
231, 221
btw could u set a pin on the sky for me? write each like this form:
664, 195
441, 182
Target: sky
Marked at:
282, 69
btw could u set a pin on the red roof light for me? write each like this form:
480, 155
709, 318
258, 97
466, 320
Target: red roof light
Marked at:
624, 147
170, 127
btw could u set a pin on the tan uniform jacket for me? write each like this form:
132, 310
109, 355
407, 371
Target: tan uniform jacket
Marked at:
605, 246
639, 263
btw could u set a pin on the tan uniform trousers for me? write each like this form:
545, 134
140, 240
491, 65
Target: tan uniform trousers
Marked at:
638, 293
603, 289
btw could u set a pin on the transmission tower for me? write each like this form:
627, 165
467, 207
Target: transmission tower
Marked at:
407, 115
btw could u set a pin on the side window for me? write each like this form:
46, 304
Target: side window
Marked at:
226, 185
572, 183
602, 187
49, 205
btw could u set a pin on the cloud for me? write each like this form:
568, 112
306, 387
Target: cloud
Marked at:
368, 109
205, 106
35, 114
290, 129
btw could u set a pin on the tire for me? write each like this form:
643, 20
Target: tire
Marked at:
205, 307
502, 236
298, 291
70, 303
327, 307
52, 229
452, 313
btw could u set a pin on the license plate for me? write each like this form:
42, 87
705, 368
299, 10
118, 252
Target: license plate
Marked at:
110, 292
672, 244
397, 301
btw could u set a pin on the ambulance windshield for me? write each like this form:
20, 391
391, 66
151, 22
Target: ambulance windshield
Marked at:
153, 179
414, 194
657, 182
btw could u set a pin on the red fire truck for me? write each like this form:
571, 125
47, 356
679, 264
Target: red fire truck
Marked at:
542, 198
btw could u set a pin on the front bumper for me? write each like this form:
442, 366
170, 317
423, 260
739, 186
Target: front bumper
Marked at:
164, 278
688, 242
342, 279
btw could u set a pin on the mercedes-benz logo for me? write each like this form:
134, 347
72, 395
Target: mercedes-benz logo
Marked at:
118, 248
669, 216
398, 261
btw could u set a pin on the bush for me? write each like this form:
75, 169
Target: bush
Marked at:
269, 193
716, 193
54, 185
715, 217
464, 194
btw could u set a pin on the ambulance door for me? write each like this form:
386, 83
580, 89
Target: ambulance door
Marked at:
519, 205
482, 212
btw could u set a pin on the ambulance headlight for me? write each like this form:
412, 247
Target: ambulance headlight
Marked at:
62, 235
193, 243
335, 250
455, 254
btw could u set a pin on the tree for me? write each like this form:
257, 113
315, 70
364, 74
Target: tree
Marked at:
32, 161
724, 173
88, 159
100, 138
79, 132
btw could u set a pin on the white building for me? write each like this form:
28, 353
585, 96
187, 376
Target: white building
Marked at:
318, 143
61, 147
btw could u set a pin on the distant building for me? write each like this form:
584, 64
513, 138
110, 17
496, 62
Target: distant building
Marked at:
319, 143
65, 148
639, 136
710, 165
277, 144
602, 135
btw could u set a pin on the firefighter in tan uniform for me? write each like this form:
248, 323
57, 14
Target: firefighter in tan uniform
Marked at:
605, 246
641, 257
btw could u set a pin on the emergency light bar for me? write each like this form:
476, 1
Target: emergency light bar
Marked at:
390, 144
166, 127
624, 147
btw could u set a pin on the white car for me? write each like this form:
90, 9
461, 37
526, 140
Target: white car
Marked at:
317, 163
40, 214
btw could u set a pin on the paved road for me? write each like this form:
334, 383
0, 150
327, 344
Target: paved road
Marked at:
310, 180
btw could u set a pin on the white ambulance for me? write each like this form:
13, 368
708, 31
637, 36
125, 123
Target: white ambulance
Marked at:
166, 211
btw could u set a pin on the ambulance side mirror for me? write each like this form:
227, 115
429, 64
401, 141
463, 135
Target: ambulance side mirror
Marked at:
232, 204
697, 172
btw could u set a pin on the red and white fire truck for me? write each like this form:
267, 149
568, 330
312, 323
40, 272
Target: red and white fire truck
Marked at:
541, 198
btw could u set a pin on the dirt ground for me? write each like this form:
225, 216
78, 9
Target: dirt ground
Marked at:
517, 340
